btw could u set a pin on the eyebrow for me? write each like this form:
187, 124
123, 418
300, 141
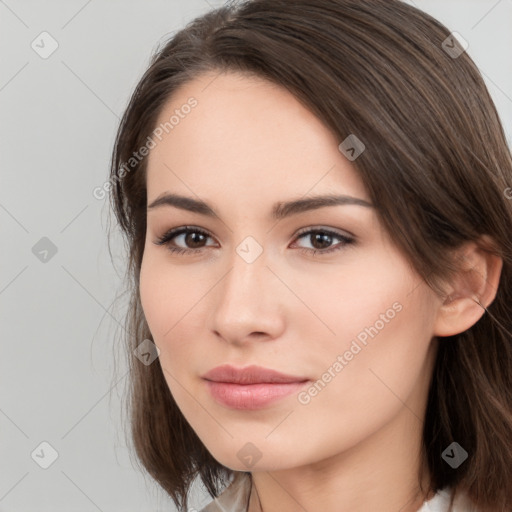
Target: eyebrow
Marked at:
280, 210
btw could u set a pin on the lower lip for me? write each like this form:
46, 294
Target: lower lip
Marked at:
251, 396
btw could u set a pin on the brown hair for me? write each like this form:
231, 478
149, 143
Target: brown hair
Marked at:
377, 69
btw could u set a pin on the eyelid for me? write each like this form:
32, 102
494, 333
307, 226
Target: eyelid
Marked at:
177, 231
346, 240
319, 227
180, 230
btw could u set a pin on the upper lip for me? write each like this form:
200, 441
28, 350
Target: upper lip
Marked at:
249, 375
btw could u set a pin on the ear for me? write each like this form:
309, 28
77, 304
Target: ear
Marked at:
473, 289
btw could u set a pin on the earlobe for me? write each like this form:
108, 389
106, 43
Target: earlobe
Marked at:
472, 291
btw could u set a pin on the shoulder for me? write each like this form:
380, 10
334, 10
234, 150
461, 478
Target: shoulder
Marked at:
441, 502
234, 497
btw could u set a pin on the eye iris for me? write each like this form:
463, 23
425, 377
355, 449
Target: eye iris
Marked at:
324, 239
193, 238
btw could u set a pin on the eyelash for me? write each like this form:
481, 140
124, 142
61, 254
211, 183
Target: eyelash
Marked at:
172, 233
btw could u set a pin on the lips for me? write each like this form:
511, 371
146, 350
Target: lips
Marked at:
252, 387
250, 375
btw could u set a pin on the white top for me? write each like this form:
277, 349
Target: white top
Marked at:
235, 495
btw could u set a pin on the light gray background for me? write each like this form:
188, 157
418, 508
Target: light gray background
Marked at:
58, 120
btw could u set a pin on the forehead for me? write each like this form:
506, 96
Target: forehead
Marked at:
248, 136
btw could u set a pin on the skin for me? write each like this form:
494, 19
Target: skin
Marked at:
356, 445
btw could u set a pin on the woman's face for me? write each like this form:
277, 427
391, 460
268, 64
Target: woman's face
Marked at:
353, 319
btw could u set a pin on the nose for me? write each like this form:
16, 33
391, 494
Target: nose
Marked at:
249, 302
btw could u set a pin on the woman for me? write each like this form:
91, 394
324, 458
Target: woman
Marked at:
314, 197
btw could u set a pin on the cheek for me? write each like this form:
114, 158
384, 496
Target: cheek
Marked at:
170, 303
151, 289
374, 341
343, 302
163, 296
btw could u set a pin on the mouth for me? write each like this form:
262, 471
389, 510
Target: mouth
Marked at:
252, 387
251, 396
250, 375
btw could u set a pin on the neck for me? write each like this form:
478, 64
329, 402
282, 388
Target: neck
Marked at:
378, 474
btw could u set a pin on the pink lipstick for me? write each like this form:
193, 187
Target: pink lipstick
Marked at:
252, 387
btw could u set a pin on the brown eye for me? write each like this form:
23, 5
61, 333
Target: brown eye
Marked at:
192, 238
321, 239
